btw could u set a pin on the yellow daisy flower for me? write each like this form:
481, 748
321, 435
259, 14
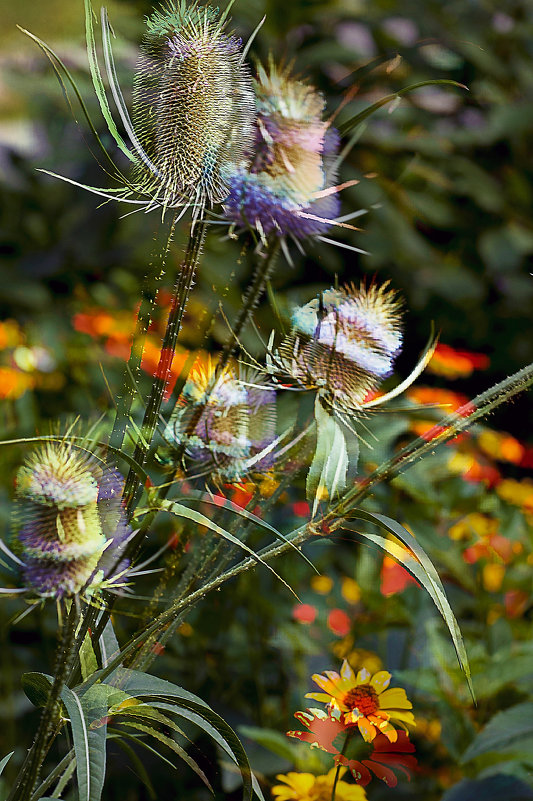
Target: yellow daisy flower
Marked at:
306, 787
365, 701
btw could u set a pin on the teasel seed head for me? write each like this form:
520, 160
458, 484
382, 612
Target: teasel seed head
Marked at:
193, 105
344, 342
237, 422
284, 191
69, 527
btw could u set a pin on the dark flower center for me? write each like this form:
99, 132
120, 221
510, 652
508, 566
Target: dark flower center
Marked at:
363, 698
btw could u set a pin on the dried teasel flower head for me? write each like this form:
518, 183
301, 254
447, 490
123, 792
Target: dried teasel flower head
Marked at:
69, 527
237, 422
344, 342
287, 190
193, 105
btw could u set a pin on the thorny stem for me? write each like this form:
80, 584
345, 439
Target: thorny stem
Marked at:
27, 777
336, 517
131, 372
178, 303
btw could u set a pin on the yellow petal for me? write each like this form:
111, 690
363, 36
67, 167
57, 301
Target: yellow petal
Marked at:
324, 683
347, 673
321, 697
395, 698
363, 676
390, 733
380, 681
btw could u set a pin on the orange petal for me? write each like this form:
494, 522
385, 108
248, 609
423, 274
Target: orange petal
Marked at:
367, 729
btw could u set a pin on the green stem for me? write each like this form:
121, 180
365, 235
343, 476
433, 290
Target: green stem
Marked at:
337, 772
29, 772
178, 303
125, 398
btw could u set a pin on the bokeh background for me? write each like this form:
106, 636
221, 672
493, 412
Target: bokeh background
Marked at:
446, 180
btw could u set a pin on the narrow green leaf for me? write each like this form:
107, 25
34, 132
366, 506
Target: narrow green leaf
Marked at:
348, 126
108, 642
4, 761
179, 510
99, 84
170, 743
138, 766
428, 577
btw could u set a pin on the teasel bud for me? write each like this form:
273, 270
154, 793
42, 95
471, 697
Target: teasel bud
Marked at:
344, 343
69, 527
287, 190
193, 105
237, 422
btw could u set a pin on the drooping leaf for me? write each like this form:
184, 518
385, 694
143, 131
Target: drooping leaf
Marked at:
424, 571
357, 119
108, 642
180, 510
87, 658
170, 743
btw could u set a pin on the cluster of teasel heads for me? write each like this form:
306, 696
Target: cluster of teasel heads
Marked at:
202, 131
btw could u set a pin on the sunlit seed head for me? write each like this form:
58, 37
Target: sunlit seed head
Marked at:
236, 422
193, 106
291, 165
67, 509
344, 342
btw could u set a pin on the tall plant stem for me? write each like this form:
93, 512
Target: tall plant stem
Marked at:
262, 274
29, 772
144, 317
180, 296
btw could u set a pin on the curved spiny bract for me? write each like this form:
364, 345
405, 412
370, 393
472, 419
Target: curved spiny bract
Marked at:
193, 106
284, 192
69, 527
344, 343
237, 422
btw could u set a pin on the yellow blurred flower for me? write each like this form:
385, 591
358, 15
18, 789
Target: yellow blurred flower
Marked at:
501, 446
493, 576
322, 584
306, 787
365, 701
519, 493
350, 590
475, 523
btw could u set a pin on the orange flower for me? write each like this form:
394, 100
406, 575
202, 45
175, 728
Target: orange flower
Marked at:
432, 396
501, 446
365, 701
453, 363
13, 383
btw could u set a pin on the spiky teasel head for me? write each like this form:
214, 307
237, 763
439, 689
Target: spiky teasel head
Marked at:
285, 190
237, 421
69, 527
193, 106
344, 342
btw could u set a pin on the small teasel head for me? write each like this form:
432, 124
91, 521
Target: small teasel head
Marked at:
225, 420
68, 514
193, 106
344, 342
284, 191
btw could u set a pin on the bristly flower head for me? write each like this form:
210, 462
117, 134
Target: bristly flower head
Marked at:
193, 106
344, 342
69, 527
237, 423
287, 189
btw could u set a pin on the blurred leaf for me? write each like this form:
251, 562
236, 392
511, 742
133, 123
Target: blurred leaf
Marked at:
504, 729
492, 789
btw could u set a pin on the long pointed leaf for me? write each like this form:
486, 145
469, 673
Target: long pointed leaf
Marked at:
348, 126
426, 573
